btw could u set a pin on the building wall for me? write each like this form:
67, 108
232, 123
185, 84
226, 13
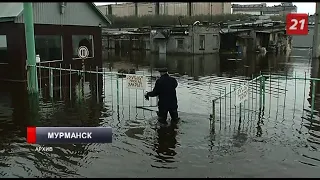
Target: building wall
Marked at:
191, 43
146, 9
172, 8
168, 8
126, 9
263, 9
227, 8
172, 44
76, 13
16, 49
212, 39
247, 12
68, 34
14, 66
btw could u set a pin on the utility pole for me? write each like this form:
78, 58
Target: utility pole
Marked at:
316, 33
30, 47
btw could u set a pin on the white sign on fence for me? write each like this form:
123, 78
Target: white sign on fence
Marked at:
242, 93
136, 82
83, 52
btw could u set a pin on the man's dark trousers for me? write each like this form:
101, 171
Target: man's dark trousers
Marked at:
163, 113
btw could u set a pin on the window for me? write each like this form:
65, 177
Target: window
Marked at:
180, 43
49, 47
3, 49
82, 40
215, 42
201, 42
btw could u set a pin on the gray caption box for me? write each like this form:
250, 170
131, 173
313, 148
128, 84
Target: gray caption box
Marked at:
98, 134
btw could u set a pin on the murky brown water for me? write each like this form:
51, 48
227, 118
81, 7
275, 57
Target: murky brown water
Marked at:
280, 144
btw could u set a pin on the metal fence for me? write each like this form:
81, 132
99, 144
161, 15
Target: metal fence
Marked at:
110, 86
104, 83
278, 98
271, 97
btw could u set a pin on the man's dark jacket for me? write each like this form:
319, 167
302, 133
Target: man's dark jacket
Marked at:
165, 89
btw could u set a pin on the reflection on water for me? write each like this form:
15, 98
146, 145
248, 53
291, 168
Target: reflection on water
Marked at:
166, 143
264, 141
202, 65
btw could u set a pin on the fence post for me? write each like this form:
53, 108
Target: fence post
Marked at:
60, 81
40, 79
313, 97
51, 83
70, 79
79, 86
97, 71
240, 112
262, 91
213, 118
117, 89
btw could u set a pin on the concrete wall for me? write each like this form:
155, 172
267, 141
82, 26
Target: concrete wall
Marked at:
168, 8
227, 8
191, 42
124, 10
247, 12
146, 9
212, 39
171, 8
173, 44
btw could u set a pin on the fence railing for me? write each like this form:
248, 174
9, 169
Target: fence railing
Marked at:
226, 106
268, 97
112, 85
105, 83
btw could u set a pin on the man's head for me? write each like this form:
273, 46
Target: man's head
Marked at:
163, 71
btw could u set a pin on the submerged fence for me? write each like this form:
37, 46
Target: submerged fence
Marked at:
111, 87
268, 97
283, 99
100, 80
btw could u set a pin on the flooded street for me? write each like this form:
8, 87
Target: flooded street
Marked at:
280, 140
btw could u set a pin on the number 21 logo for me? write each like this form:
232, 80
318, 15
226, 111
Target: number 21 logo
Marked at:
297, 24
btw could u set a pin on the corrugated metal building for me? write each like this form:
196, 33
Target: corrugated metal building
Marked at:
60, 28
166, 8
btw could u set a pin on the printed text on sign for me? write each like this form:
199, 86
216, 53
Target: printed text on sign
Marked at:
135, 81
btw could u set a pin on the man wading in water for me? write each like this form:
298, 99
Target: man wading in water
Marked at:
165, 89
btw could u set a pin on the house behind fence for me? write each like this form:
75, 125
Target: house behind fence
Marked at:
239, 37
59, 28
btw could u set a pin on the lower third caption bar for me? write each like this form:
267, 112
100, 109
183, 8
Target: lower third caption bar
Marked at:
69, 135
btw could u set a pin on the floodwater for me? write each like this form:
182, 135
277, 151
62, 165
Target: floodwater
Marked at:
279, 140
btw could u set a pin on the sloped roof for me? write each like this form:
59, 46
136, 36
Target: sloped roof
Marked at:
9, 11
94, 7
159, 35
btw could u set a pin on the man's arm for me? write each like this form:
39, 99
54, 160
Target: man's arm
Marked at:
155, 91
175, 83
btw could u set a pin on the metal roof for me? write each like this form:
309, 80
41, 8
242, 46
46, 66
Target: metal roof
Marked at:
95, 8
9, 11
226, 30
